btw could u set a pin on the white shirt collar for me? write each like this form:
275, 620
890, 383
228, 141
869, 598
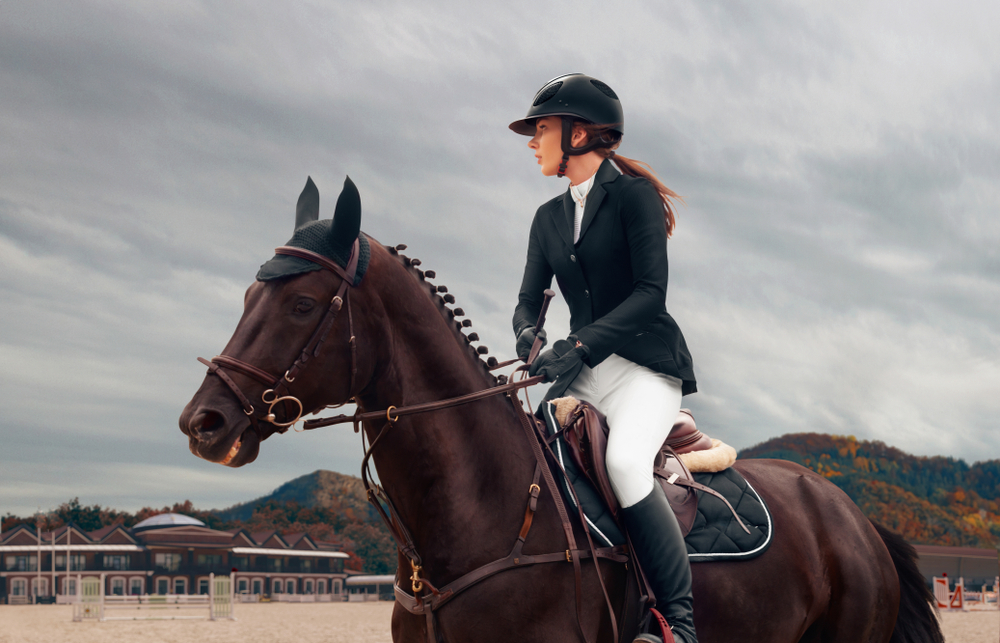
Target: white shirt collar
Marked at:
579, 192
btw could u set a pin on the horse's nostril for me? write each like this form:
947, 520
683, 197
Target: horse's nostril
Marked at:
207, 422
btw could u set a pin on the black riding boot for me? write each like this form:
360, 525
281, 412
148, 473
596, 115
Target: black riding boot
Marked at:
659, 545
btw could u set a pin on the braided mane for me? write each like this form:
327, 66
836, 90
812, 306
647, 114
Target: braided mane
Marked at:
440, 296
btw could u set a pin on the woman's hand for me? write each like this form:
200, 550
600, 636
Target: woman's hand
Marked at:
526, 340
565, 355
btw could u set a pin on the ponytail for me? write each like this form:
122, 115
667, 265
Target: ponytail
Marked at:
632, 167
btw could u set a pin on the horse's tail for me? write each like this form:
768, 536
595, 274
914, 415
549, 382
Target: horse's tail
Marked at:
917, 621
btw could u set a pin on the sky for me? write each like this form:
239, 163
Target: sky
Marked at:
835, 267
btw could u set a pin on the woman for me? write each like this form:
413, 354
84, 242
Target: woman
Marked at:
605, 241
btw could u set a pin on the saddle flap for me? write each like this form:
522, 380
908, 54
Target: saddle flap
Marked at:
667, 470
586, 435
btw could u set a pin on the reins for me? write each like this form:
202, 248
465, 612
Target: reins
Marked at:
426, 598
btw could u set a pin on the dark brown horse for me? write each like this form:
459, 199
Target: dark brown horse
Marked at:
459, 478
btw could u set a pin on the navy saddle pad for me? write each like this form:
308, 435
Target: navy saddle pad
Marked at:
715, 534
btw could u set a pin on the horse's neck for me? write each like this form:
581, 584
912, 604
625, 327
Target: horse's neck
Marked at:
455, 473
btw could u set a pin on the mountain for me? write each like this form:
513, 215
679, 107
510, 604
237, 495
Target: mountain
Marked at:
929, 500
340, 493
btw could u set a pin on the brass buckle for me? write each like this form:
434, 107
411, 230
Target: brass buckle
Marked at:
418, 586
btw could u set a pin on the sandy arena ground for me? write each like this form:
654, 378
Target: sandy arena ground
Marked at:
302, 623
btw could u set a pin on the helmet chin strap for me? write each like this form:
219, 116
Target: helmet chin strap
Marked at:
567, 145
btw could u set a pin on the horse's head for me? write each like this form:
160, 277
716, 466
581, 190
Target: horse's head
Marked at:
297, 319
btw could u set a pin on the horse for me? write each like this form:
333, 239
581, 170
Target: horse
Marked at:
459, 477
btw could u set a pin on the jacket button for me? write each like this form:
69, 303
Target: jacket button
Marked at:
572, 257
586, 292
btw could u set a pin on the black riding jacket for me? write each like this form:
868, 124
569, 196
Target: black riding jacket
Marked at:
614, 279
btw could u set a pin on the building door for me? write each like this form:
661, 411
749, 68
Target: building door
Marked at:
290, 586
257, 587
180, 586
135, 586
162, 586
40, 586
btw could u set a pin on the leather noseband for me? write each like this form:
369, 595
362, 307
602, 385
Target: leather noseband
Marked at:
272, 395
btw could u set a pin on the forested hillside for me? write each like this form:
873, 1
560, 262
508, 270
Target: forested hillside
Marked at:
929, 500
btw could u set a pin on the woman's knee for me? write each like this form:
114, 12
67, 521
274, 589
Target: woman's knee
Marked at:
625, 466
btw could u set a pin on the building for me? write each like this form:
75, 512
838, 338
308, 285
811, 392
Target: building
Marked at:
166, 554
977, 566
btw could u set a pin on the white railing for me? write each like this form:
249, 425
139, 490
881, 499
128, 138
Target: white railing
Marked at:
94, 603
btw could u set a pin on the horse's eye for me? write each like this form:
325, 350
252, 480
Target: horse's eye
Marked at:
303, 306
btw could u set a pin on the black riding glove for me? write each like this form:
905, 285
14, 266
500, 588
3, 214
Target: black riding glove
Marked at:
526, 340
563, 357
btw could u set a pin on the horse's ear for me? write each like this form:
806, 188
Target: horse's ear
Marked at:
307, 209
347, 216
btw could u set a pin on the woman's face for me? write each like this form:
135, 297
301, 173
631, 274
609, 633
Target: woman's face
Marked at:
547, 144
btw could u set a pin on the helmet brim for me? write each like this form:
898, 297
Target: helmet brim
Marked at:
526, 126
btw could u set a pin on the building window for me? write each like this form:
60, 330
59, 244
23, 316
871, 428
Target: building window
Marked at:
321, 587
336, 587
78, 562
18, 587
117, 586
168, 562
290, 586
117, 562
70, 587
307, 565
22, 563
40, 586
241, 563
209, 560
180, 586
203, 586
257, 587
276, 586
274, 565
162, 586
309, 587
135, 587
241, 586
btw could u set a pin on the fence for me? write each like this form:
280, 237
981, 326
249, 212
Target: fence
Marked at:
95, 604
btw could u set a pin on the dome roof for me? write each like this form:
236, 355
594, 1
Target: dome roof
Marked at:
168, 520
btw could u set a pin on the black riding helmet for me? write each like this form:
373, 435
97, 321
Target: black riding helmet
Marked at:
574, 96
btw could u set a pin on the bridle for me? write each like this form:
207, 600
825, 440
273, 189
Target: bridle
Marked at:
278, 391
426, 599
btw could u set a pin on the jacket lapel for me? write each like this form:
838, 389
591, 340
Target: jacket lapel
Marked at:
606, 173
566, 222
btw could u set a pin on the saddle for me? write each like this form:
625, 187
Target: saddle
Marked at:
585, 432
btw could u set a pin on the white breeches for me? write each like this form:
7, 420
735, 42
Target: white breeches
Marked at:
641, 406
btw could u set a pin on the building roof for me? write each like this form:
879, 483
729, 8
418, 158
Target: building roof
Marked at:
956, 552
167, 520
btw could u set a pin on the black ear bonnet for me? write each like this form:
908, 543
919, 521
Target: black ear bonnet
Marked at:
332, 238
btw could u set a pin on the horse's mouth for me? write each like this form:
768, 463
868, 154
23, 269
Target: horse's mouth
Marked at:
235, 449
243, 448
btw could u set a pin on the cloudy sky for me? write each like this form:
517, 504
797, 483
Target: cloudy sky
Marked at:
835, 268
